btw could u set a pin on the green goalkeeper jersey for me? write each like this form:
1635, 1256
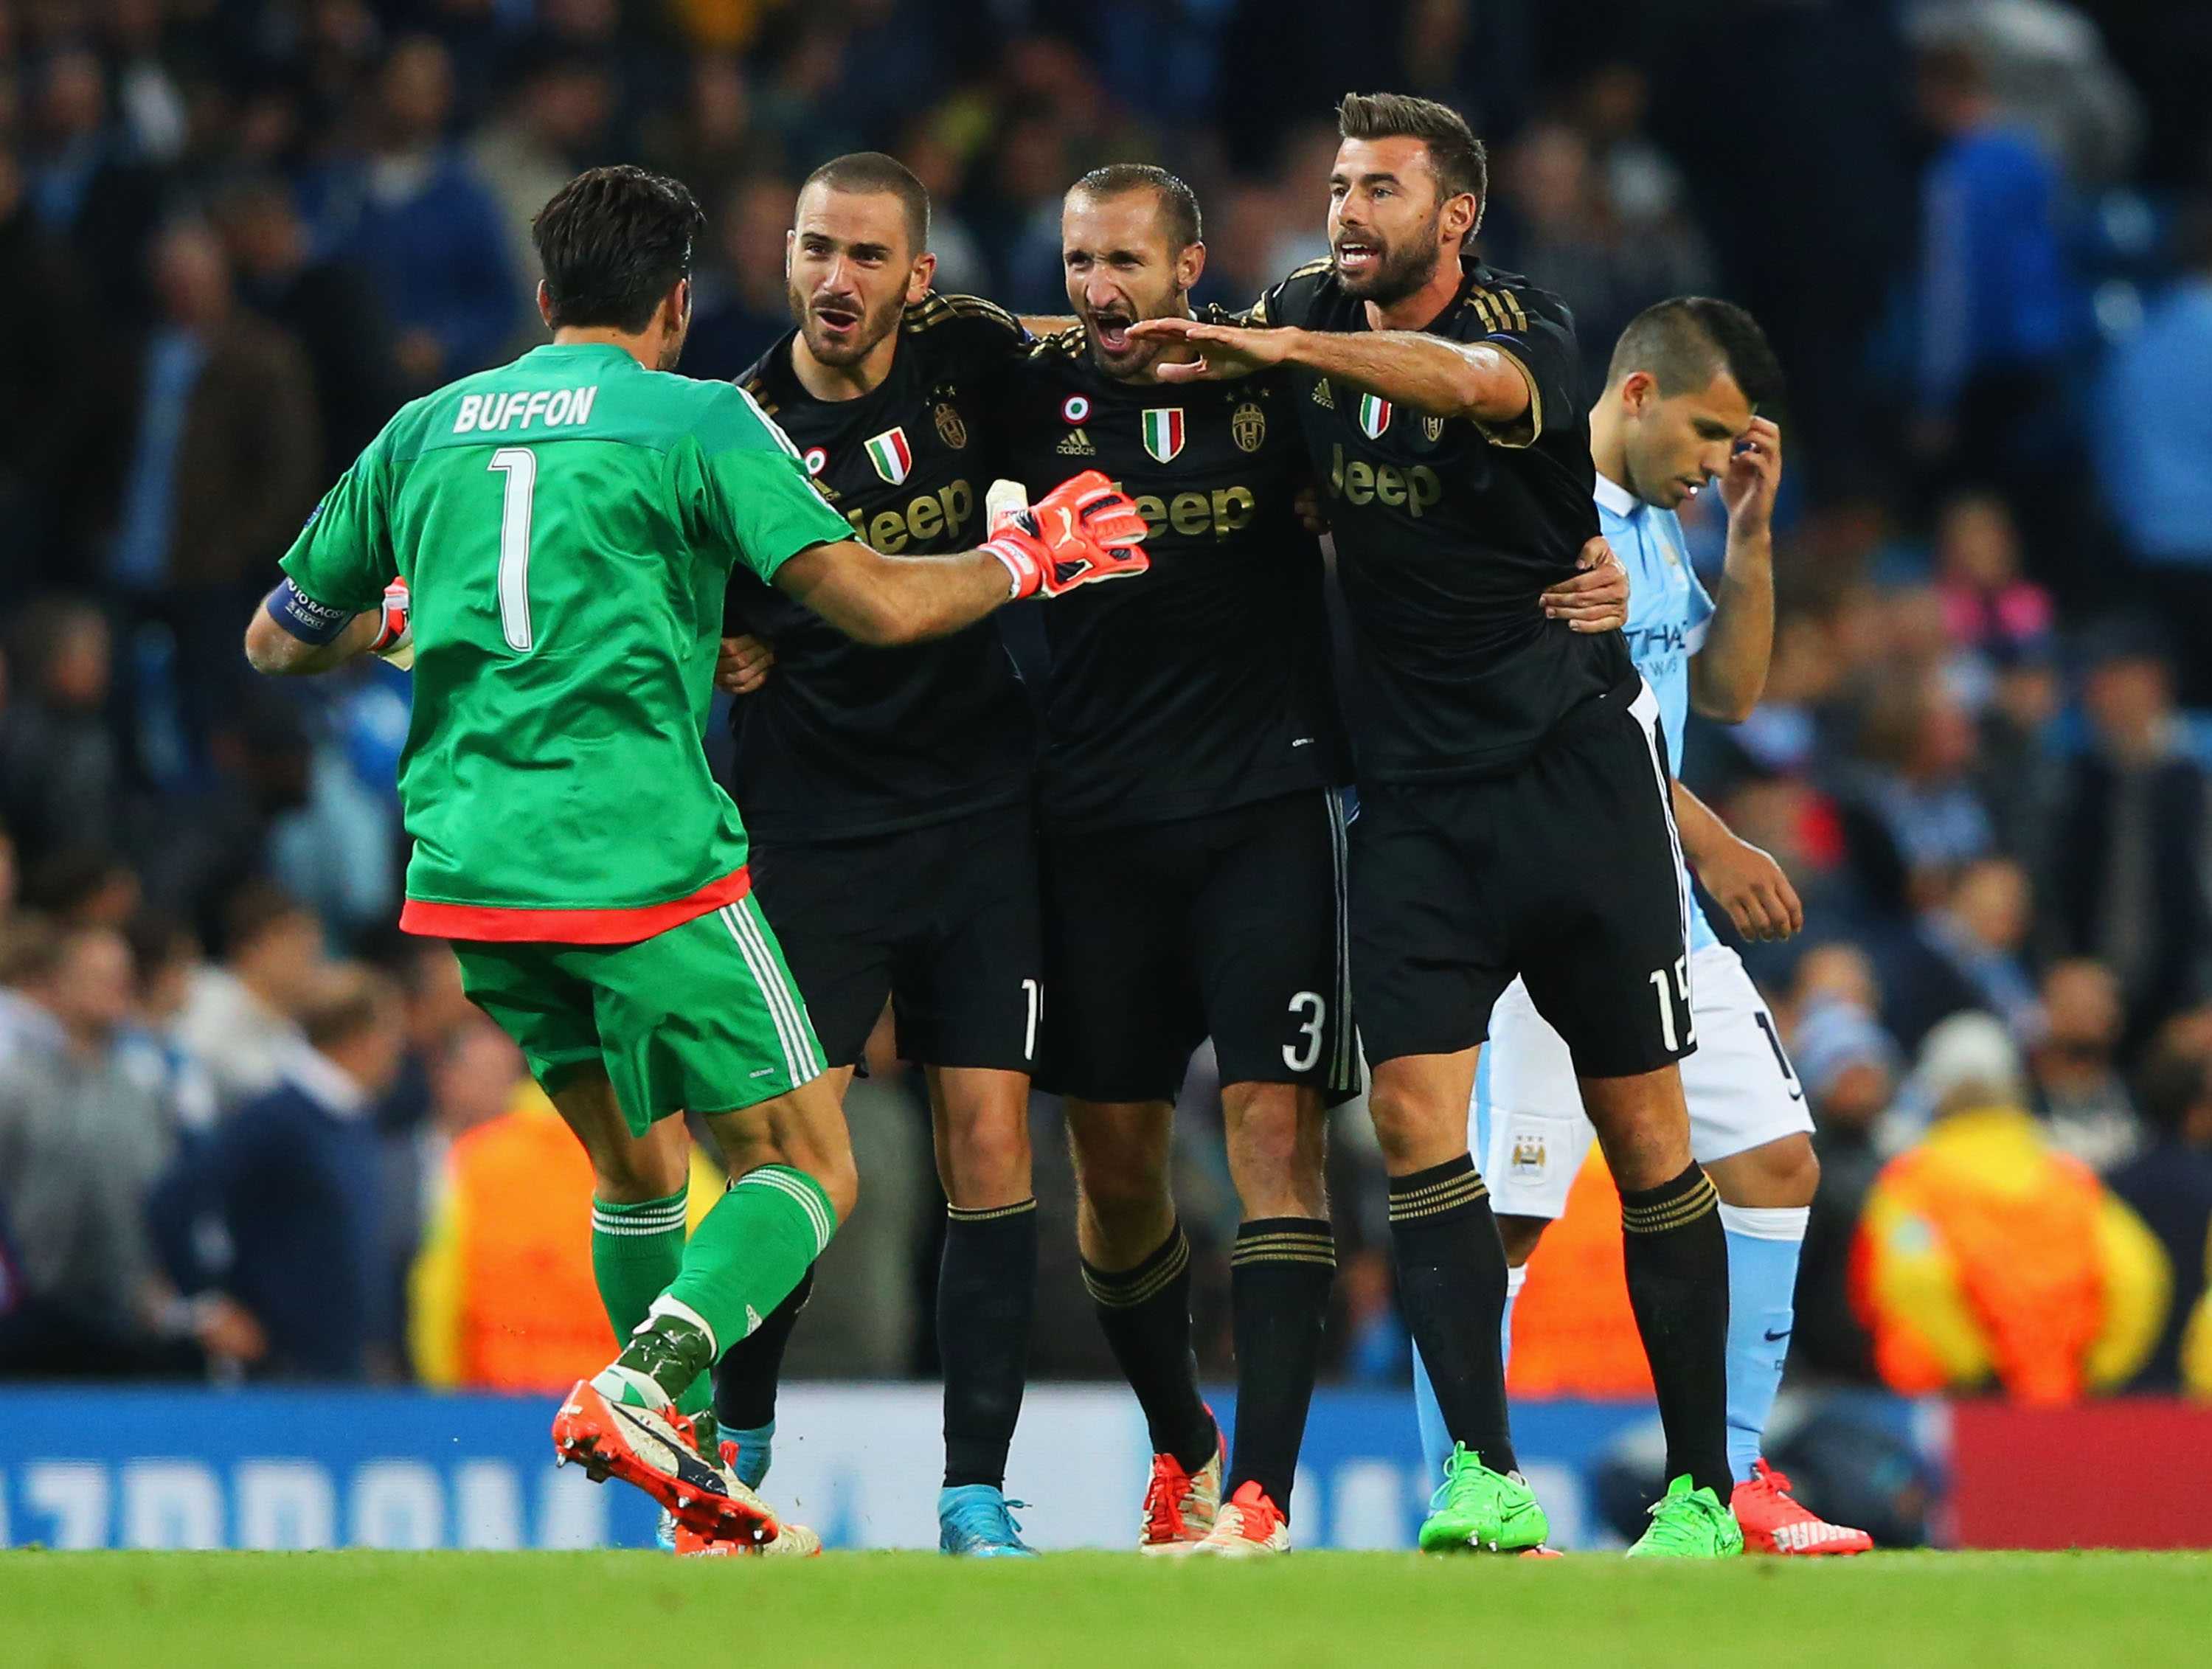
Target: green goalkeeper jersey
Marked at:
567, 525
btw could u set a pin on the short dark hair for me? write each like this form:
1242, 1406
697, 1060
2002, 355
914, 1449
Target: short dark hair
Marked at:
345, 1002
1178, 203
1456, 156
613, 241
865, 173
1686, 342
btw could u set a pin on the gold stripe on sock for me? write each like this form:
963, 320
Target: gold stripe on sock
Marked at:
985, 1213
1665, 1214
1239, 1259
1439, 1197
1118, 1291
1283, 1239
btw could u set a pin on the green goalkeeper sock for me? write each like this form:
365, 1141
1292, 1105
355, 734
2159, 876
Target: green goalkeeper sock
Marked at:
751, 1251
636, 1251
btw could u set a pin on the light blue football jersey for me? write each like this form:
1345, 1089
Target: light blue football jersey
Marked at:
1667, 613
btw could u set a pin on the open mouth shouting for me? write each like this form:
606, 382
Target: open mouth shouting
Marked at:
839, 322
1356, 258
1113, 332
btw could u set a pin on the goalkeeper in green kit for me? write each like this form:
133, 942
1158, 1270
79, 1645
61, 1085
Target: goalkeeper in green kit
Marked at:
550, 541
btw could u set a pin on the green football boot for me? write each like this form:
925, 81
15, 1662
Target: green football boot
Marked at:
1478, 1509
1689, 1524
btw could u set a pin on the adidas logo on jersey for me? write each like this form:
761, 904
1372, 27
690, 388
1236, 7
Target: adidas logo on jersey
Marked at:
1076, 444
1321, 396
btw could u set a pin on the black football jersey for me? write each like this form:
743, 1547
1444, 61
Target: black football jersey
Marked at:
845, 740
1204, 682
1447, 534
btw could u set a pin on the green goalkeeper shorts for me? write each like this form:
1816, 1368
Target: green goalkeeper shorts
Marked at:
704, 1016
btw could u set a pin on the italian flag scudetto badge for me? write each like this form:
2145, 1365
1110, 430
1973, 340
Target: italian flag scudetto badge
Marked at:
1164, 432
891, 455
1373, 417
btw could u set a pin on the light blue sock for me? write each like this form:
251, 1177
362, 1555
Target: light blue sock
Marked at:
755, 1446
1763, 1244
1436, 1442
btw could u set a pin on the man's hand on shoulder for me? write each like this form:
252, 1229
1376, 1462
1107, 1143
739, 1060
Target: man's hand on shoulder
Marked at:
1595, 599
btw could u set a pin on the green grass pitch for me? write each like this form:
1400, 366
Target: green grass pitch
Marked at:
533, 1611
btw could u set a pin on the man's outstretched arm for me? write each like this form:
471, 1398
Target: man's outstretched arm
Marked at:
1080, 533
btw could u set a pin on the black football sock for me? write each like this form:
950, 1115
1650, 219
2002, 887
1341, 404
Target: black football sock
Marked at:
986, 1294
1278, 1280
1451, 1285
1677, 1258
1145, 1313
746, 1377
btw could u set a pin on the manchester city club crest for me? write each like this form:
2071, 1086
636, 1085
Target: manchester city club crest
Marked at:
1164, 432
1373, 417
1529, 1156
892, 455
1247, 426
950, 429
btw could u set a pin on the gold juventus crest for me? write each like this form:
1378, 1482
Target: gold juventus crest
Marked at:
1433, 427
1247, 426
950, 428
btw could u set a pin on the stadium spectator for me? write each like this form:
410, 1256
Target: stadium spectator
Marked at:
1848, 1065
2169, 1184
2046, 67
81, 1138
1912, 816
288, 1184
1996, 307
1984, 1255
2127, 882
1964, 953
502, 1295
2079, 1096
59, 784
210, 480
1561, 223
165, 956
1573, 1334
743, 304
43, 399
329, 306
2151, 438
240, 1017
88, 183
1989, 610
416, 212
552, 121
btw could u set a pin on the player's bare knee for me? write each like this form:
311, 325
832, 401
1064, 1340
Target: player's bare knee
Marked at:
630, 1170
1409, 1128
987, 1159
1520, 1235
1781, 1175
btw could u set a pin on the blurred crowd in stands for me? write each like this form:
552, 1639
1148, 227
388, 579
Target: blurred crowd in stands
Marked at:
246, 1129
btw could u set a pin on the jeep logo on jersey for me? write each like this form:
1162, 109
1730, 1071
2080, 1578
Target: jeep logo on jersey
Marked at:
1164, 432
1249, 427
814, 459
892, 456
1373, 417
